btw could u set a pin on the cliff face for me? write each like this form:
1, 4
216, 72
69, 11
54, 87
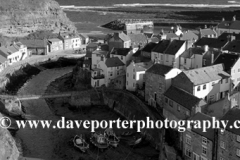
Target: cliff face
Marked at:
26, 16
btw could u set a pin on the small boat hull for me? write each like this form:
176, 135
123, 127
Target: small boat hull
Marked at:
99, 140
82, 146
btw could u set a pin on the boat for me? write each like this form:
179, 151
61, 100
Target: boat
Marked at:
113, 140
99, 140
80, 143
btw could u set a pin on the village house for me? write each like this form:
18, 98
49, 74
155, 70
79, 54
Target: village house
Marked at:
157, 51
213, 43
119, 40
70, 41
168, 52
228, 140
36, 46
207, 32
76, 41
135, 75
137, 25
172, 53
137, 40
124, 54
198, 57
55, 44
232, 26
211, 83
179, 104
147, 50
99, 55
231, 65
190, 38
158, 79
196, 144
14, 53
67, 41
106, 71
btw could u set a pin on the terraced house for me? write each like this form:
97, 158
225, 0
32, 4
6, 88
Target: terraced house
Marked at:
158, 79
211, 83
199, 145
228, 140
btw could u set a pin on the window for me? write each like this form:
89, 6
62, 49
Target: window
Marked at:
161, 56
134, 76
198, 88
155, 96
204, 86
121, 57
185, 61
239, 70
188, 139
204, 150
166, 100
238, 152
166, 57
133, 84
204, 140
127, 74
117, 67
170, 103
238, 138
222, 145
133, 69
178, 108
188, 153
195, 156
117, 73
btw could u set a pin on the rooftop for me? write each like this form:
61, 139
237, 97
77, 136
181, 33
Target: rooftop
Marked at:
174, 47
181, 97
232, 115
228, 61
114, 62
159, 69
206, 74
233, 46
212, 42
34, 43
189, 35
229, 24
209, 134
161, 46
207, 31
138, 38
121, 51
122, 36
149, 47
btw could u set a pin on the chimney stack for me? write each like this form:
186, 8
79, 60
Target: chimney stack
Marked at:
206, 48
212, 58
223, 19
234, 18
205, 26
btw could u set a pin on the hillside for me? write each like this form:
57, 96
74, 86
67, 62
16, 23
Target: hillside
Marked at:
26, 16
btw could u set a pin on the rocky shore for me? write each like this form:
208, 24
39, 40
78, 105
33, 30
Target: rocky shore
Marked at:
19, 18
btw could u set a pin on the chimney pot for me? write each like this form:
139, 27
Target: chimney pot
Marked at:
234, 18
206, 48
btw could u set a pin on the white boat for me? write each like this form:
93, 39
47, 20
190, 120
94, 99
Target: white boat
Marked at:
113, 140
80, 143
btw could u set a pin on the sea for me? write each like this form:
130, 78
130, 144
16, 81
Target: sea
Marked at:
88, 20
